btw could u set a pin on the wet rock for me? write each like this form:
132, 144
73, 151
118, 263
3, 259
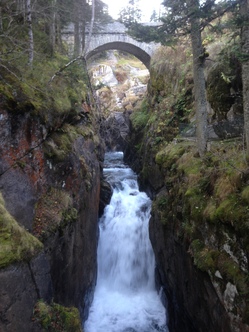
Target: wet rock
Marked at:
116, 130
30, 169
193, 305
105, 196
19, 196
21, 285
40, 271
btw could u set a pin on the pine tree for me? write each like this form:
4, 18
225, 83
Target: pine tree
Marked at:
154, 17
244, 10
30, 32
188, 17
130, 14
199, 77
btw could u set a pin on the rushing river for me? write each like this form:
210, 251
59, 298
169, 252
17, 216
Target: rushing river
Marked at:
125, 298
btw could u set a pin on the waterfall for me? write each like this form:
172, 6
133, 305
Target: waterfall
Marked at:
125, 298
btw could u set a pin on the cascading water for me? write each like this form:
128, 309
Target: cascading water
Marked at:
125, 298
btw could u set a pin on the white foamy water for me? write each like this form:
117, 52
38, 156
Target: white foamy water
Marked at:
125, 298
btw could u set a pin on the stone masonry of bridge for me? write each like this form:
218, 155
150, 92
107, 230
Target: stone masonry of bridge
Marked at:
109, 37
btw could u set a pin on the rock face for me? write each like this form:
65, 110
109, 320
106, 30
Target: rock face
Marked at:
199, 222
115, 131
21, 285
201, 264
50, 181
193, 302
197, 232
105, 196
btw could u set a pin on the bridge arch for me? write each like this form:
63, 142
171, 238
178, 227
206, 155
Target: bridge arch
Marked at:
110, 36
143, 56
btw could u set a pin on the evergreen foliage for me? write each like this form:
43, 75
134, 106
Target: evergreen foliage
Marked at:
191, 17
130, 14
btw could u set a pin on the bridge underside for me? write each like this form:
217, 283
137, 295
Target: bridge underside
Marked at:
125, 47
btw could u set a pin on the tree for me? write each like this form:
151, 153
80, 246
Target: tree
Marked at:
78, 20
83, 14
101, 12
244, 10
1, 19
154, 17
199, 77
30, 32
131, 14
91, 27
188, 17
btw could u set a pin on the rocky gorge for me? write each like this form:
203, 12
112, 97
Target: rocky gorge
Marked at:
52, 193
199, 223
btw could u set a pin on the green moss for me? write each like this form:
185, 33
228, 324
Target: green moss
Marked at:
224, 75
158, 82
162, 202
140, 117
218, 91
60, 143
210, 260
245, 194
195, 203
204, 257
188, 230
169, 155
69, 215
56, 318
210, 210
160, 207
16, 244
232, 272
188, 164
26, 89
231, 211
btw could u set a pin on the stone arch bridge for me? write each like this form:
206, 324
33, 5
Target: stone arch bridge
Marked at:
112, 36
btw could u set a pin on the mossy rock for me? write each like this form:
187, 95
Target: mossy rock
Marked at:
57, 318
218, 92
189, 164
245, 194
169, 155
224, 84
232, 272
210, 260
54, 211
161, 206
140, 117
195, 203
16, 244
231, 211
204, 257
60, 143
12, 94
223, 187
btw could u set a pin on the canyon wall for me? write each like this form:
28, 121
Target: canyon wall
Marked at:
199, 221
50, 184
